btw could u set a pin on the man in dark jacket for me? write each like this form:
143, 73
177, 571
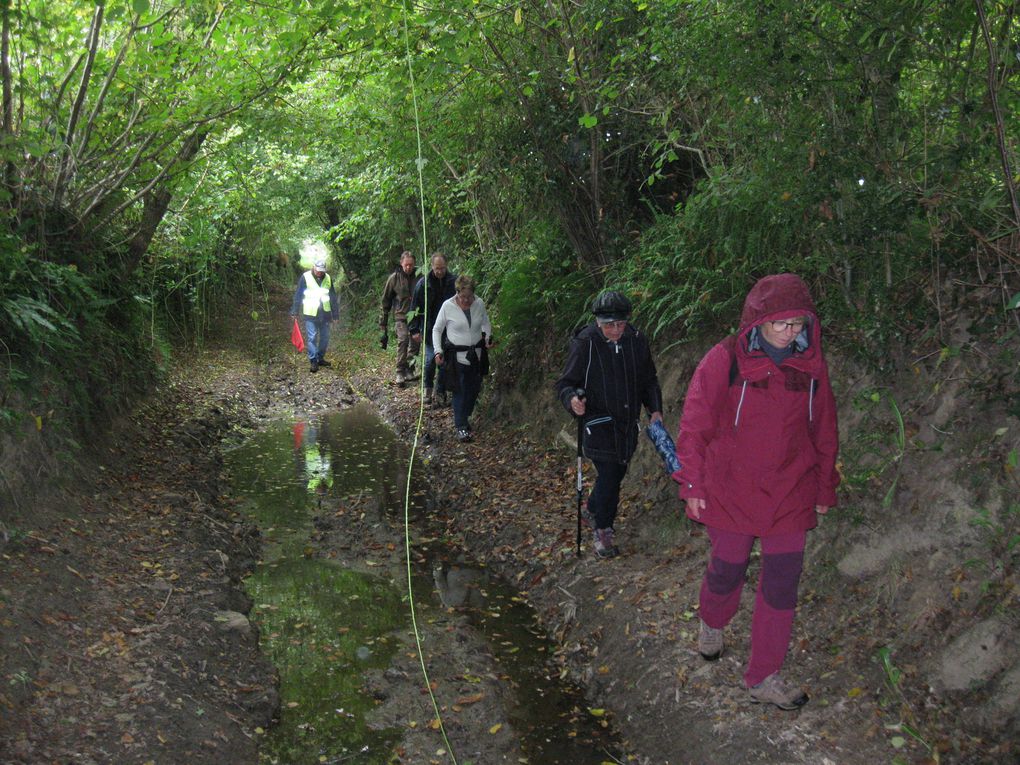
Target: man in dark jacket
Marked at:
397, 299
423, 314
611, 362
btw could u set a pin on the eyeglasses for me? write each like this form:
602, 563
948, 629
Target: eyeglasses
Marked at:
781, 326
614, 324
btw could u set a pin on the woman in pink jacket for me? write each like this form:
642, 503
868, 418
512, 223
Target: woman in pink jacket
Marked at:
757, 446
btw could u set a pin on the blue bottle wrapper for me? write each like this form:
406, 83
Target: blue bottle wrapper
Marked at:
664, 445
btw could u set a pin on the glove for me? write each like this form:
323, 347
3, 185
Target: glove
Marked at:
384, 340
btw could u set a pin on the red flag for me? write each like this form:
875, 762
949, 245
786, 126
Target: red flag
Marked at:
295, 337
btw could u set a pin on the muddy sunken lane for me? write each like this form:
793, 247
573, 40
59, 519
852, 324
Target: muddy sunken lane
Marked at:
623, 628
328, 494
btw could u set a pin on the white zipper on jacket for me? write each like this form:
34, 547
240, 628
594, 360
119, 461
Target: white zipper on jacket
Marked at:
743, 389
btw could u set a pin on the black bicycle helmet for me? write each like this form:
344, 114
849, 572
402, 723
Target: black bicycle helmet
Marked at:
611, 306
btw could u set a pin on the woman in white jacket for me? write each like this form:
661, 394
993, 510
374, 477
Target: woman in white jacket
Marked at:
468, 336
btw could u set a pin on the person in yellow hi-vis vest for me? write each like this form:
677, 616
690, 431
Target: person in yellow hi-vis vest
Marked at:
315, 300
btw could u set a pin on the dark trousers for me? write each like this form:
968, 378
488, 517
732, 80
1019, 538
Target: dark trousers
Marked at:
605, 494
469, 385
430, 369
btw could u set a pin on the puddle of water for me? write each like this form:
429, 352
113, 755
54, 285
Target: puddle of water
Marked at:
323, 625
552, 716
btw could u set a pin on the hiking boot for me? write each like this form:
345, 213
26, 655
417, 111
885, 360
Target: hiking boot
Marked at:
314, 366
324, 363
428, 398
710, 642
774, 690
604, 547
401, 378
463, 435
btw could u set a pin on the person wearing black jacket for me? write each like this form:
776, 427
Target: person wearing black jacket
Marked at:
610, 361
423, 316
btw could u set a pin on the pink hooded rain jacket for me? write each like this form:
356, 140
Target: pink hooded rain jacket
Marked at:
758, 442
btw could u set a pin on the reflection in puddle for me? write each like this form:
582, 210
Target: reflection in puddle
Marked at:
324, 625
460, 587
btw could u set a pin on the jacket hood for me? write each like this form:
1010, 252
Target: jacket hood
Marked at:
776, 297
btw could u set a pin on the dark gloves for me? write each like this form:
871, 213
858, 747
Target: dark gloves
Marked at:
384, 340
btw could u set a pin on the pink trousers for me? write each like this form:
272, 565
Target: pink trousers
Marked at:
782, 560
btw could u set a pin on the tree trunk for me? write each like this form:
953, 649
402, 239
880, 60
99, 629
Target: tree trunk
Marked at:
9, 183
1000, 127
157, 200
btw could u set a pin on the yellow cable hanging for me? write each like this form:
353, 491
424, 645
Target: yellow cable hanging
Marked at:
421, 399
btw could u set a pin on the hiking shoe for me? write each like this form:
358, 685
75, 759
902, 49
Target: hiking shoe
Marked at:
324, 363
463, 435
604, 546
774, 690
314, 366
710, 642
401, 378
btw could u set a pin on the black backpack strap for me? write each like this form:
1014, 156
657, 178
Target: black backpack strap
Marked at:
734, 368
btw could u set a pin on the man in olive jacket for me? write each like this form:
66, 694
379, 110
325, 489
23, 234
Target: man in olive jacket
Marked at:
611, 362
396, 299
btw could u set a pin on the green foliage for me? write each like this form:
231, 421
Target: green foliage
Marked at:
893, 676
677, 150
879, 444
36, 300
71, 341
541, 281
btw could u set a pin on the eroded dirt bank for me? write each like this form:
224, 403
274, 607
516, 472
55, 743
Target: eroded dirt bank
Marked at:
122, 632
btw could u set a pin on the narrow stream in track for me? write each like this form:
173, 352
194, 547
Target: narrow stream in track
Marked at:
326, 623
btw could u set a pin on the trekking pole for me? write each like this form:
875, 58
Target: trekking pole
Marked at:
580, 480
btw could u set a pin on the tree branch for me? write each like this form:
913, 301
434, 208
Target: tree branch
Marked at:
101, 99
1000, 127
79, 102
